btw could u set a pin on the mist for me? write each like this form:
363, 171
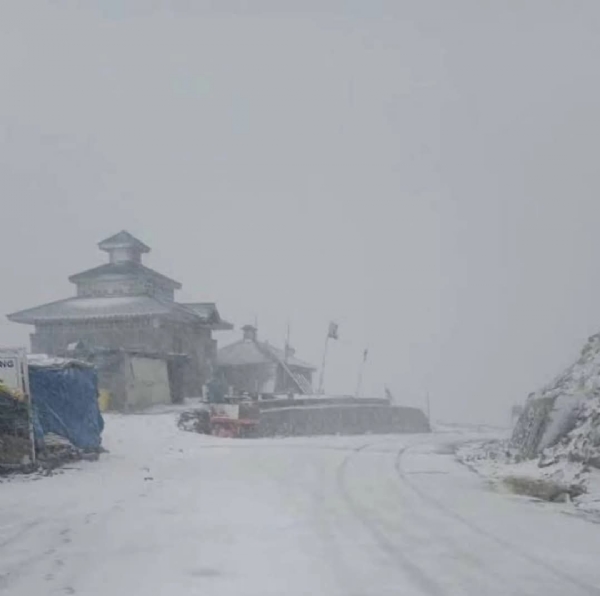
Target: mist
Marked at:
423, 174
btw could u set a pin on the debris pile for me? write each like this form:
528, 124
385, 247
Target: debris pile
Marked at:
542, 478
64, 421
195, 421
15, 445
57, 451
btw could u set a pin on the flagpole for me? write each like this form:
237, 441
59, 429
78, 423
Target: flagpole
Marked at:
322, 375
287, 342
359, 382
360, 374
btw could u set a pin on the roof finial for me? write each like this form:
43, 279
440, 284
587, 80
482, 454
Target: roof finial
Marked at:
250, 332
124, 247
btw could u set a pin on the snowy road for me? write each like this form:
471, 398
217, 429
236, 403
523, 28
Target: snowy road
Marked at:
173, 513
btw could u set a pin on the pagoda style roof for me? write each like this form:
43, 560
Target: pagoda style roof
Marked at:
125, 268
104, 307
123, 239
132, 293
116, 308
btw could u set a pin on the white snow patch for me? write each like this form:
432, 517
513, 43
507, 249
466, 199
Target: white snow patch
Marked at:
561, 418
500, 464
45, 361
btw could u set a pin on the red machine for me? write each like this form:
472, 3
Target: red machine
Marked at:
234, 419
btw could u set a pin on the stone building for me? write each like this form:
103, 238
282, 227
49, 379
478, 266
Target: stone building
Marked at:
125, 306
257, 367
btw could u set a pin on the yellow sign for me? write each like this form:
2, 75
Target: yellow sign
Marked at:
104, 400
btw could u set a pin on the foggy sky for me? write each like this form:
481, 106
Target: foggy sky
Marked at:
423, 172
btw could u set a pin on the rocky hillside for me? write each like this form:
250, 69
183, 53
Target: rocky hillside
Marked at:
562, 420
554, 452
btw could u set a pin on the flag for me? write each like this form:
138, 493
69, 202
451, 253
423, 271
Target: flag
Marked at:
365, 355
389, 395
333, 331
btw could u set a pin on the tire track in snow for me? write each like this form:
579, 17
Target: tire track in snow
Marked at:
43, 563
22, 532
325, 527
471, 573
442, 507
414, 573
408, 523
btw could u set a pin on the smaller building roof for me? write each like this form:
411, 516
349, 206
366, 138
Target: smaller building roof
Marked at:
247, 351
123, 239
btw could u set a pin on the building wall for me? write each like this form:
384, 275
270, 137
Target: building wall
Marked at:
263, 378
148, 334
251, 378
197, 343
134, 333
134, 286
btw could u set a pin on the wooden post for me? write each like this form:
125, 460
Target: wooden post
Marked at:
26, 392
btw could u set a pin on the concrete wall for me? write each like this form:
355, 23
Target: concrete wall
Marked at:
342, 419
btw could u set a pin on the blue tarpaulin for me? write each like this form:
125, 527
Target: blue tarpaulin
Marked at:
65, 402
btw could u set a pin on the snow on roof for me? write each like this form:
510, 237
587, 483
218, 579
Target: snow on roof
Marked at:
100, 308
45, 361
203, 309
241, 353
247, 351
123, 239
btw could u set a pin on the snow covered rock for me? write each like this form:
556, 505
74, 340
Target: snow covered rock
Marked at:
582, 443
554, 452
554, 411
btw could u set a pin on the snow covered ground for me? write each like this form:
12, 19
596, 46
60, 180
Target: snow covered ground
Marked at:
499, 463
173, 513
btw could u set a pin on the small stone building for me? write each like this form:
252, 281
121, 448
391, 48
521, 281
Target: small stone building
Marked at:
255, 367
123, 306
